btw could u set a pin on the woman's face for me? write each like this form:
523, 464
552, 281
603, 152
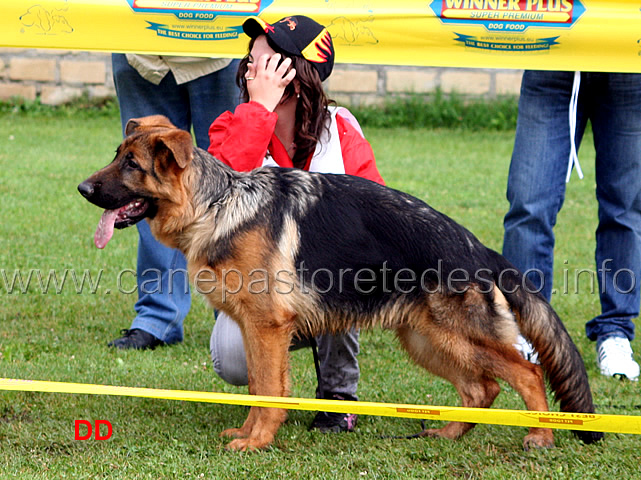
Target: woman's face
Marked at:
260, 47
271, 77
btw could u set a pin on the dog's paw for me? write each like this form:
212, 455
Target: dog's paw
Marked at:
538, 440
234, 433
245, 445
431, 433
451, 431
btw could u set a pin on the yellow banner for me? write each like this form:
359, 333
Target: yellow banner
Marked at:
589, 35
520, 418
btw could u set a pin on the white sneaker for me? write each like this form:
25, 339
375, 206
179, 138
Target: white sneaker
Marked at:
526, 349
615, 359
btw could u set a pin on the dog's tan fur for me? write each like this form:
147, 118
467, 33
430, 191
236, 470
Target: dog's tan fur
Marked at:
466, 338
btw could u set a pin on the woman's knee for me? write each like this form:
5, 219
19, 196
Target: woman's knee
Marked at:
228, 352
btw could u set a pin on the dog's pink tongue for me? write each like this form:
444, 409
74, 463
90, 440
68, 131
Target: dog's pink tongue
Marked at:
105, 229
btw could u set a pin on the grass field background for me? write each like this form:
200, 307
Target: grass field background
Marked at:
46, 225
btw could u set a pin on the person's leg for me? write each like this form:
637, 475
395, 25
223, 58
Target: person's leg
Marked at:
139, 98
161, 308
210, 96
339, 375
536, 182
163, 288
616, 122
228, 351
339, 370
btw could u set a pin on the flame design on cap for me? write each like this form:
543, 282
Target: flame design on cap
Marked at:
266, 26
320, 49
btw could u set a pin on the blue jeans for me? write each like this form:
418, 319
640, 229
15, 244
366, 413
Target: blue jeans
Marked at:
164, 298
536, 186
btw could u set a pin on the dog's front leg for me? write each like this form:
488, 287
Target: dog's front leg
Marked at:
245, 430
267, 348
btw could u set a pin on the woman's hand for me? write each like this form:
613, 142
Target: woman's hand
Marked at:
266, 79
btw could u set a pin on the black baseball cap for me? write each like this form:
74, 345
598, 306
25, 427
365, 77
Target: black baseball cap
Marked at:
297, 35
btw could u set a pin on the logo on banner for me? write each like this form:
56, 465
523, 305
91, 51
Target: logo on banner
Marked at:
50, 21
200, 9
165, 31
202, 12
509, 17
489, 44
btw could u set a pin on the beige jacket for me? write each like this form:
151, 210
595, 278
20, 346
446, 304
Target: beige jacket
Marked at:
154, 68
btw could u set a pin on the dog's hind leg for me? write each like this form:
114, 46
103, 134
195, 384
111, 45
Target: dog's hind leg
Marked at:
474, 379
475, 389
475, 393
527, 379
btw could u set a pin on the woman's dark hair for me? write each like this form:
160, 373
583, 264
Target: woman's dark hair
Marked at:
312, 115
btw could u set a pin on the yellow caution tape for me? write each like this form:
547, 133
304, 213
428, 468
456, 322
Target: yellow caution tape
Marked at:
519, 418
589, 35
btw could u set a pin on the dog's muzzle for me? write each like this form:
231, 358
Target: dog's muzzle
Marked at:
116, 215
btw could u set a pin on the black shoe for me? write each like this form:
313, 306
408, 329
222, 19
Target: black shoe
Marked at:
333, 422
136, 339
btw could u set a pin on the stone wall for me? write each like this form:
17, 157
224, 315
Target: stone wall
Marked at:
57, 77
54, 76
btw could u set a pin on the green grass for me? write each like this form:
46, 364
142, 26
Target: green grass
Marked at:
440, 111
45, 224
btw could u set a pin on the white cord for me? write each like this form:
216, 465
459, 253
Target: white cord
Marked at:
574, 158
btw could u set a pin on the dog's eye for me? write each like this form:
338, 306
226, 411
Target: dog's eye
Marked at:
130, 162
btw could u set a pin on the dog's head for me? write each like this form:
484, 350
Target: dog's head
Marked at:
145, 175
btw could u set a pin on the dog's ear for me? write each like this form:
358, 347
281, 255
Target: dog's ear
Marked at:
152, 121
131, 126
178, 143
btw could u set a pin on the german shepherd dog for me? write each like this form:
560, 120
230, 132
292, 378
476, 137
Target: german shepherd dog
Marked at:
331, 252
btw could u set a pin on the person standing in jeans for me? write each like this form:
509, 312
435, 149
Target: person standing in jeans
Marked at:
554, 109
191, 92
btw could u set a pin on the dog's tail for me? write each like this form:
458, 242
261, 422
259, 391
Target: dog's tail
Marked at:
559, 357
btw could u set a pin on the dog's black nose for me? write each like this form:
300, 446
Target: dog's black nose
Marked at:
86, 189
